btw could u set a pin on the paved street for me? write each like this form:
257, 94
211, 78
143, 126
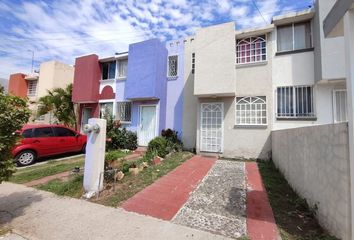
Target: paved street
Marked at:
35, 214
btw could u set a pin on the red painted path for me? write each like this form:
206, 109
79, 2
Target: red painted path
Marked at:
167, 195
260, 219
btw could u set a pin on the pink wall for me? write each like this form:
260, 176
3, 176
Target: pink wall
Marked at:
86, 79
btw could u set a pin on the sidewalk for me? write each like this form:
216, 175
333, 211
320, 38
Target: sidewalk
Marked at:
36, 214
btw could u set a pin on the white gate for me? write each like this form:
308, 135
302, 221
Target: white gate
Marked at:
211, 127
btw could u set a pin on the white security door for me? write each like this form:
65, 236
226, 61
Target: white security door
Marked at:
211, 127
147, 124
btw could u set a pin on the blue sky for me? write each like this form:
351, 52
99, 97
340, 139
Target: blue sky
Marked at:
64, 29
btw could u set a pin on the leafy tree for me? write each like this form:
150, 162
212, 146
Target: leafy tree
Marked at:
14, 113
59, 102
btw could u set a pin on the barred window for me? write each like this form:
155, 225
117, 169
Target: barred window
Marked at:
32, 88
295, 102
251, 111
250, 50
193, 63
172, 66
124, 111
106, 110
340, 106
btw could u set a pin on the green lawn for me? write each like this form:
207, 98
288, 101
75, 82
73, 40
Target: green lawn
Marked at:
126, 188
50, 168
295, 219
130, 185
70, 188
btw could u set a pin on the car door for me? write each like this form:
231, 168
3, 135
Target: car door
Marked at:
67, 140
44, 141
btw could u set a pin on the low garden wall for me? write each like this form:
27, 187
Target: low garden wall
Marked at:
315, 162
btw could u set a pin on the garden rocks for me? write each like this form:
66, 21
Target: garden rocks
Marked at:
144, 165
157, 160
135, 171
119, 176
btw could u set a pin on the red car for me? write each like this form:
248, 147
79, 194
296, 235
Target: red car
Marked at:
46, 140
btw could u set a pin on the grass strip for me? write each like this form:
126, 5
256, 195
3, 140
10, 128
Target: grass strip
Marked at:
295, 219
44, 170
130, 185
70, 188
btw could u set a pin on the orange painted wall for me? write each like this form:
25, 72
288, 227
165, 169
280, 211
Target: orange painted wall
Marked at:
18, 85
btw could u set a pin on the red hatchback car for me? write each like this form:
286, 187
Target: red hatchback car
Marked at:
46, 140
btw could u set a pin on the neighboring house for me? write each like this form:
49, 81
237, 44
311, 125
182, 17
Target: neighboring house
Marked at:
337, 24
143, 88
4, 83
51, 75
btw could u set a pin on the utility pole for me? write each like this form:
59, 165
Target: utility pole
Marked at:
32, 59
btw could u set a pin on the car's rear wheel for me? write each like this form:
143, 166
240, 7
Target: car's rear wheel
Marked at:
25, 158
83, 149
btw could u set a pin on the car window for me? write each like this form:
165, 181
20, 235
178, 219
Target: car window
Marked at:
63, 132
43, 132
27, 133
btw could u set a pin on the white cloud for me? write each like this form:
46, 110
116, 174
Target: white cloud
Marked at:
64, 29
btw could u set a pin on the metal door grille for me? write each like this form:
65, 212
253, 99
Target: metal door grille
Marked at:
212, 127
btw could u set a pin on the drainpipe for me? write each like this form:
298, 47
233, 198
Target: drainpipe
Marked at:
349, 47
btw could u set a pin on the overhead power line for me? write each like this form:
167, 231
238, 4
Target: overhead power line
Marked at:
255, 4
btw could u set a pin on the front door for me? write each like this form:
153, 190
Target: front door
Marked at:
86, 114
211, 127
147, 129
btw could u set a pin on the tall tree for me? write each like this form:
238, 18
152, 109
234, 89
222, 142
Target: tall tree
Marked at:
14, 113
58, 101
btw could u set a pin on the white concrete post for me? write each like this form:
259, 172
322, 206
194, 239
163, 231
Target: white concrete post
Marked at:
349, 49
95, 153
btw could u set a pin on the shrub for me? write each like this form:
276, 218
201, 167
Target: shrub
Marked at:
159, 145
120, 137
14, 113
172, 137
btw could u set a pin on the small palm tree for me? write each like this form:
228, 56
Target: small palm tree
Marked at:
58, 101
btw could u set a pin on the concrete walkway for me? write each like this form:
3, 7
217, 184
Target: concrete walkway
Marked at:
166, 196
218, 205
35, 214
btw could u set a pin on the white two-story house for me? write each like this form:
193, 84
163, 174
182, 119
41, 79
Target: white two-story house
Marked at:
245, 83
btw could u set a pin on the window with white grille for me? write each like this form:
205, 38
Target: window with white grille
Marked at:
32, 88
124, 111
122, 68
193, 63
251, 111
340, 106
251, 50
172, 66
295, 102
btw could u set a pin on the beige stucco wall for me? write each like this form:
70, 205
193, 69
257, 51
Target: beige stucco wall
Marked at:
52, 74
315, 161
215, 60
247, 142
190, 102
